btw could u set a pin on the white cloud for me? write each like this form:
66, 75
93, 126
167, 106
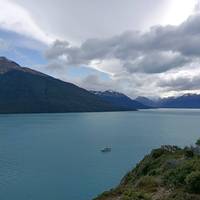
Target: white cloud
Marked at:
110, 66
158, 50
15, 18
178, 11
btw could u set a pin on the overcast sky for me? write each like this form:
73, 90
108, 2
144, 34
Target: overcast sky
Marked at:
139, 47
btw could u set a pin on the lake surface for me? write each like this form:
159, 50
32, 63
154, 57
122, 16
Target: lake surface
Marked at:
57, 156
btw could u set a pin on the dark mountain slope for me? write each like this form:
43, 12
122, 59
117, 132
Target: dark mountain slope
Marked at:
119, 99
146, 101
185, 101
23, 90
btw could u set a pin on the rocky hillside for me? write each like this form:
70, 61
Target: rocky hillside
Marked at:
167, 173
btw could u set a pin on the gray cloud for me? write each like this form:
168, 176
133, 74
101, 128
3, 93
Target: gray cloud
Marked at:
160, 49
157, 62
181, 83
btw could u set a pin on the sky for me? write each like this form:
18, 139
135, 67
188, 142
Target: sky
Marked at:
138, 47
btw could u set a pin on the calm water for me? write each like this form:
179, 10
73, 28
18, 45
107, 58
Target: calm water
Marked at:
57, 156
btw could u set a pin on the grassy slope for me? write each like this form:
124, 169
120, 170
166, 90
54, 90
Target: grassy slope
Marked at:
167, 173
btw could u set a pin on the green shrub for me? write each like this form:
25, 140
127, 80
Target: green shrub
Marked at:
147, 183
198, 142
177, 176
193, 182
132, 195
156, 153
188, 153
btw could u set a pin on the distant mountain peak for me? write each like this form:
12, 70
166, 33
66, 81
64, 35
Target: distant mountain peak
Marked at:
108, 93
189, 100
119, 99
6, 60
114, 93
3, 58
142, 98
146, 101
7, 65
24, 90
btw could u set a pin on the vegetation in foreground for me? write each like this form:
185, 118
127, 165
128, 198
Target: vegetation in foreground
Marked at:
167, 173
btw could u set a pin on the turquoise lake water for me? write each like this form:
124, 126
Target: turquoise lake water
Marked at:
57, 156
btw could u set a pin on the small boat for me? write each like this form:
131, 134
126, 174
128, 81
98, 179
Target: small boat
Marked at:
106, 150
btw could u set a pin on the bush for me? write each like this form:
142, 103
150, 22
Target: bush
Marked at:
193, 182
188, 153
132, 195
156, 153
177, 176
198, 142
147, 183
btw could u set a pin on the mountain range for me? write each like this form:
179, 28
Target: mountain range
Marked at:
120, 100
184, 101
23, 90
147, 101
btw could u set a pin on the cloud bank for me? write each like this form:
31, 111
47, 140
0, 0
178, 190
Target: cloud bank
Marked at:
157, 53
